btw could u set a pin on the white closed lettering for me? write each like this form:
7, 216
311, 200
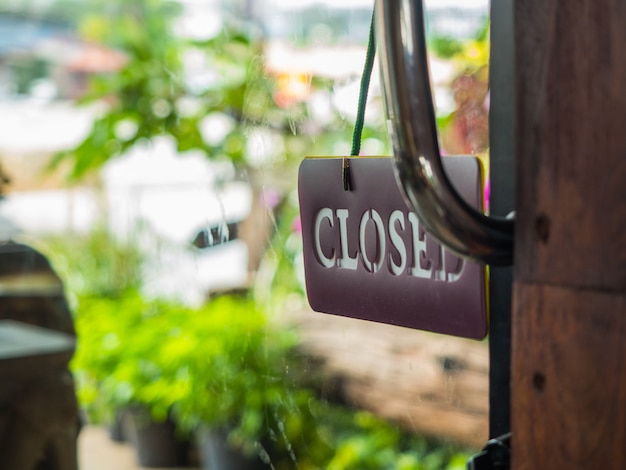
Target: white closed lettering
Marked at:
372, 266
397, 217
345, 261
420, 258
327, 262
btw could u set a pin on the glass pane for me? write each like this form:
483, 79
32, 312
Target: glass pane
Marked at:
150, 151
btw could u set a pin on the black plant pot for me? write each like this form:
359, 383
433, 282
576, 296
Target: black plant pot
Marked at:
157, 443
116, 427
216, 453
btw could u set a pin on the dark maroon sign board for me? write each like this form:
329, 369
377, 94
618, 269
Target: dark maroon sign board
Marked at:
366, 255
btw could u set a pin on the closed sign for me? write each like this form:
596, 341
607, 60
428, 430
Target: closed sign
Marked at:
367, 256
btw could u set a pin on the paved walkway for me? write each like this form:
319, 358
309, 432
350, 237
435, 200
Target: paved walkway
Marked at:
97, 452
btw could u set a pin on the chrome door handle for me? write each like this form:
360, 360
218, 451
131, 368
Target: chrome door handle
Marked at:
412, 127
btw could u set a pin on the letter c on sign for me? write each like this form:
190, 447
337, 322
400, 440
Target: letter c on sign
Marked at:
324, 213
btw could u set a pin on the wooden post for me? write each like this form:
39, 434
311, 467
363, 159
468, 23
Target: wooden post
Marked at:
569, 307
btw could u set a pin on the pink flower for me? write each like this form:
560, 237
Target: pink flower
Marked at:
296, 225
271, 198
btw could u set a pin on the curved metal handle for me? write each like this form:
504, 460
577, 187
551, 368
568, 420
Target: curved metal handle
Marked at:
404, 67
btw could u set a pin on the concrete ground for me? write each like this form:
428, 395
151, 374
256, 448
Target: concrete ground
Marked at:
97, 452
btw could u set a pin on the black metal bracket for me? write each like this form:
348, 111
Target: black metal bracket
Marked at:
496, 455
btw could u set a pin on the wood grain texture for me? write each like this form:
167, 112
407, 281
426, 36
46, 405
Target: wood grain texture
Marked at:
571, 142
432, 384
569, 379
569, 312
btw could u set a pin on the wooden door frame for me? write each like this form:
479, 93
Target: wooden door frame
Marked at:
569, 302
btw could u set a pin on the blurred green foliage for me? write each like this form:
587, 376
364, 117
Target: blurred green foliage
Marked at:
96, 265
465, 129
226, 367
172, 85
152, 95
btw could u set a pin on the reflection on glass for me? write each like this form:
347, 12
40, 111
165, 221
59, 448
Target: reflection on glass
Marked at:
150, 150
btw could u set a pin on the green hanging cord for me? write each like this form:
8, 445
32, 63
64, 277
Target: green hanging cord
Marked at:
365, 85
360, 117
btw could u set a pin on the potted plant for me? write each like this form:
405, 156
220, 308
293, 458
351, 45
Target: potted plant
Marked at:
130, 358
237, 379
